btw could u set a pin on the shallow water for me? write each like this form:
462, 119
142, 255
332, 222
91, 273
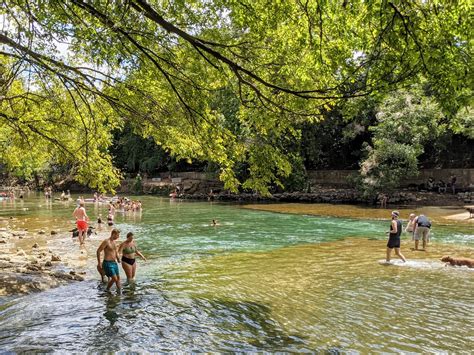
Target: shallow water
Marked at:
260, 281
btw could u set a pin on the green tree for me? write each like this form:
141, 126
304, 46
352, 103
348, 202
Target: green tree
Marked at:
406, 121
48, 127
158, 65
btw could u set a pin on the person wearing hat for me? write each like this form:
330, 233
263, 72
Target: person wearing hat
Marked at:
394, 237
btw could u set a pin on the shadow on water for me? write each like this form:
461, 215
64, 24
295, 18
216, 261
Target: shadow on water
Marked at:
249, 325
110, 311
117, 313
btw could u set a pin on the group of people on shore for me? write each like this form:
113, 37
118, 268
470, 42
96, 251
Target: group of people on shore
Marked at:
419, 228
441, 186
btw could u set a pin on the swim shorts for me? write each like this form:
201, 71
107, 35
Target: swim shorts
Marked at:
110, 268
81, 226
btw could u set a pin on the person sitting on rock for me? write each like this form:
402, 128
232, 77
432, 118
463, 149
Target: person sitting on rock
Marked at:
430, 184
441, 187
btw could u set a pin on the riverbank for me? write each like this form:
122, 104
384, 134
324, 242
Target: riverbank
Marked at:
29, 266
338, 195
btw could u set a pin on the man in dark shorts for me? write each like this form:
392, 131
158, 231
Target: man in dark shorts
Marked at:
394, 237
109, 266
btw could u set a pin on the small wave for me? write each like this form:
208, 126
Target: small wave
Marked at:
419, 264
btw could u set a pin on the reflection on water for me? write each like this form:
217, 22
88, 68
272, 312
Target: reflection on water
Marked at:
258, 282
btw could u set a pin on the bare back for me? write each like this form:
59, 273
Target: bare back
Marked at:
80, 214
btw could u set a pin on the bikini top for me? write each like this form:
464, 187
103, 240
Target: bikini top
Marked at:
129, 250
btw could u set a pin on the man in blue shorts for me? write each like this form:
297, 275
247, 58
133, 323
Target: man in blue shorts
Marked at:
109, 266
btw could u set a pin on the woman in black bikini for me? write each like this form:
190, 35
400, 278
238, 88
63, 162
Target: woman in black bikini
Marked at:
128, 250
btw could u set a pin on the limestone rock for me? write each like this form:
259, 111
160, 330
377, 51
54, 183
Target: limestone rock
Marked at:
19, 233
78, 278
5, 235
55, 257
21, 252
33, 267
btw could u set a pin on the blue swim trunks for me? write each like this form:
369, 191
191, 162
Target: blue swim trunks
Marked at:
110, 268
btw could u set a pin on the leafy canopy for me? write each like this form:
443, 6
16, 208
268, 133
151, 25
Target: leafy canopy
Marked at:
160, 65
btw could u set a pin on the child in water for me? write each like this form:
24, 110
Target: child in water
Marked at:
110, 219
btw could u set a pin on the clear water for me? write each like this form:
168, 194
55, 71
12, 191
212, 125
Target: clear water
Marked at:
260, 281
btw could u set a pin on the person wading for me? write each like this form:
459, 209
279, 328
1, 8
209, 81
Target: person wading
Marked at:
129, 250
109, 266
81, 221
394, 237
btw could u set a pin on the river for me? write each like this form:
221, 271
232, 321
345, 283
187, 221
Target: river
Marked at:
260, 281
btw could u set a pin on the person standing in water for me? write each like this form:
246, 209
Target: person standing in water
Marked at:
99, 221
81, 221
422, 231
394, 237
128, 249
410, 228
109, 266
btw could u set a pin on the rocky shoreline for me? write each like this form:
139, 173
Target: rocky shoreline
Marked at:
31, 268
